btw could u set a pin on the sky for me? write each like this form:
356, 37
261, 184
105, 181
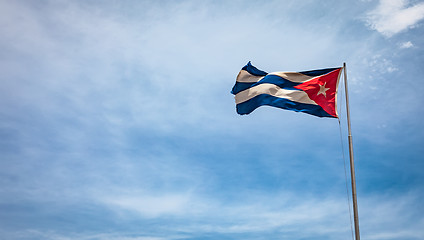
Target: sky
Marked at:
117, 121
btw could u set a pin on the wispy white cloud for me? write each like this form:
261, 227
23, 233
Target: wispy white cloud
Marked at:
52, 235
307, 215
390, 216
285, 213
394, 16
148, 205
380, 64
407, 44
289, 214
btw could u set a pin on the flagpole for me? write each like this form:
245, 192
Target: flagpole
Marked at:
352, 166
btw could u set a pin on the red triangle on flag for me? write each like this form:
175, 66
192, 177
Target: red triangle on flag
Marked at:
322, 90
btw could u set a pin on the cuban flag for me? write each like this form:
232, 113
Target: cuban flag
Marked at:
313, 92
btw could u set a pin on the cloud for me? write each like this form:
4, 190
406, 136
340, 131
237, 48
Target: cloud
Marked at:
407, 44
394, 16
380, 64
390, 216
292, 215
51, 235
149, 206
261, 212
288, 213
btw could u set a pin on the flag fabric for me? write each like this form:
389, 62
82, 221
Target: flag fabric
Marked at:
313, 92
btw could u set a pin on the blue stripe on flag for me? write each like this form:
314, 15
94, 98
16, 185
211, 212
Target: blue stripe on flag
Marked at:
241, 86
253, 70
273, 79
268, 100
319, 72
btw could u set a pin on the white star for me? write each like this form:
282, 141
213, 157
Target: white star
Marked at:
322, 90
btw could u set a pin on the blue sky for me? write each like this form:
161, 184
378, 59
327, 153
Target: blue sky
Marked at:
117, 122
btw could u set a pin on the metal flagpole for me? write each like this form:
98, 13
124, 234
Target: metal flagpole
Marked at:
352, 166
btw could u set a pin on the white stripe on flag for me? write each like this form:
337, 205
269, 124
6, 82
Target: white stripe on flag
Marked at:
246, 77
293, 76
273, 90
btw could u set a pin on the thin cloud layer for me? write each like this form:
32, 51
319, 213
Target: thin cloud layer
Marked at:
285, 214
394, 16
407, 44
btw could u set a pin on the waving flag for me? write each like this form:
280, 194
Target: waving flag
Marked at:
313, 92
